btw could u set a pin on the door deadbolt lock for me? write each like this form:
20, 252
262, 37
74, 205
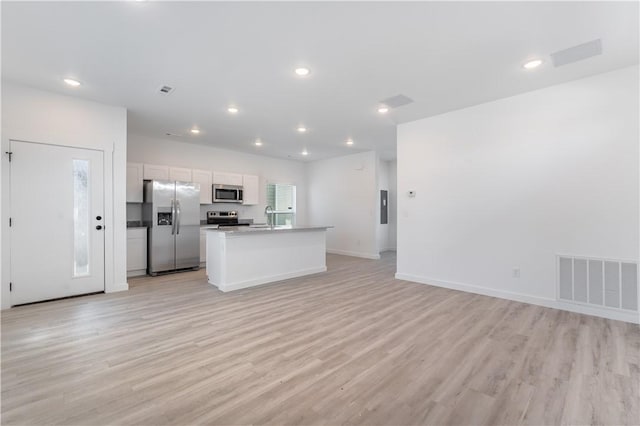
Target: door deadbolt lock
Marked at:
99, 227
98, 217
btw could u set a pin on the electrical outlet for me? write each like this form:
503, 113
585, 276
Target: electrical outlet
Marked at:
516, 272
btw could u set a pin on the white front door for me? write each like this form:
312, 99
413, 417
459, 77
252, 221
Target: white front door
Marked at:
57, 222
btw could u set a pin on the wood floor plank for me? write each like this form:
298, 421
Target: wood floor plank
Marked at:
351, 346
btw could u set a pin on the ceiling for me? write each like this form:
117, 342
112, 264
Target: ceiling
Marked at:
443, 55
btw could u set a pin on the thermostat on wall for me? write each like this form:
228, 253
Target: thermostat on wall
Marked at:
411, 194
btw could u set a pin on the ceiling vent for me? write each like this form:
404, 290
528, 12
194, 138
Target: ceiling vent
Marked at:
396, 101
577, 53
166, 90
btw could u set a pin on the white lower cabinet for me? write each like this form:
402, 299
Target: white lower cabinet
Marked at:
136, 252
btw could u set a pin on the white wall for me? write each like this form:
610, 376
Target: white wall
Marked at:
37, 116
142, 149
343, 192
514, 182
393, 204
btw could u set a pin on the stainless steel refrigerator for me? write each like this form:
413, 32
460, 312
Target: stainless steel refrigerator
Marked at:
171, 210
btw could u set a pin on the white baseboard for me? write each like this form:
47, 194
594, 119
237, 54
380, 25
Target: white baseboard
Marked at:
525, 298
268, 279
117, 287
355, 254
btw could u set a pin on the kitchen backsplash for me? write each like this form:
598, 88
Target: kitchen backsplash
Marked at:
134, 212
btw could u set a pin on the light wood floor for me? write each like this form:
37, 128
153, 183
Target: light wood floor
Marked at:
351, 346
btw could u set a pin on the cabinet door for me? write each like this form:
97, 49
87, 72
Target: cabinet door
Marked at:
251, 189
223, 178
204, 178
235, 179
179, 173
154, 172
220, 178
136, 249
134, 182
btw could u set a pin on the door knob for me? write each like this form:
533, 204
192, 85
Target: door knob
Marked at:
98, 217
99, 227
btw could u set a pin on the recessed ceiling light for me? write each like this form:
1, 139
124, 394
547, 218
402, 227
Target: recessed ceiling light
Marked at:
305, 152
232, 110
302, 129
195, 131
72, 82
349, 141
383, 109
534, 63
302, 71
258, 142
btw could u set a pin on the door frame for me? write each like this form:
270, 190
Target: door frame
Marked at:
36, 115
109, 210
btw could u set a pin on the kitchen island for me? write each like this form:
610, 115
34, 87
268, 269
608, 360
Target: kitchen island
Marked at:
244, 257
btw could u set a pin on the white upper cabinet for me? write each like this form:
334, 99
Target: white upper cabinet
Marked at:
136, 172
179, 173
251, 189
134, 182
154, 172
223, 178
204, 178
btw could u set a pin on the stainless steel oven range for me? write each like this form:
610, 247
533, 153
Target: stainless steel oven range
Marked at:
229, 218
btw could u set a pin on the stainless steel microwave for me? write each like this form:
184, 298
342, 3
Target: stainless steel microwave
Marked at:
227, 194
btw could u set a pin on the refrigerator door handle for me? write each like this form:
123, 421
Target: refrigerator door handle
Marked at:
173, 217
178, 211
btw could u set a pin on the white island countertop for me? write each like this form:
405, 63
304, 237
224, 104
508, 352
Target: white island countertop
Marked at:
260, 229
245, 256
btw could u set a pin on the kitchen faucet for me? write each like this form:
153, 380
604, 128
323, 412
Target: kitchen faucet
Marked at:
268, 211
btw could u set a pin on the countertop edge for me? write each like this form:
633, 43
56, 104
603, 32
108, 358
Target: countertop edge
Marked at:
256, 231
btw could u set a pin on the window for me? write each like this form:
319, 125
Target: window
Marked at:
80, 218
282, 198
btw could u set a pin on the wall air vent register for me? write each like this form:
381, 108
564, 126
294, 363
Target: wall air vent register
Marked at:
166, 90
602, 283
